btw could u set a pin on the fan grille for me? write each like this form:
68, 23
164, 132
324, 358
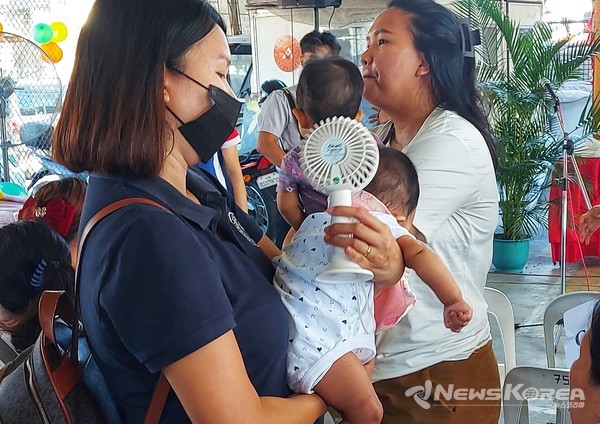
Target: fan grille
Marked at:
339, 153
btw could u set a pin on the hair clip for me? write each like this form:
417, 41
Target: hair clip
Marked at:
40, 212
37, 280
470, 39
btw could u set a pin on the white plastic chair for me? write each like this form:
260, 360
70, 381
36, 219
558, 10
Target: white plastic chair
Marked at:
533, 380
553, 316
500, 308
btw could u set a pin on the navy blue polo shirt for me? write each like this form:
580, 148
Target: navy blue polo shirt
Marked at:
157, 286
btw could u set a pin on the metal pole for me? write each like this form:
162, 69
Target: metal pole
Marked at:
563, 221
3, 140
234, 16
596, 59
317, 23
579, 179
568, 149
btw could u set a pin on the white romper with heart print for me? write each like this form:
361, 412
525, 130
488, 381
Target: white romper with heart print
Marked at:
326, 320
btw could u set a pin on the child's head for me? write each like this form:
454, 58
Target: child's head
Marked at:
58, 203
327, 88
396, 184
33, 258
318, 44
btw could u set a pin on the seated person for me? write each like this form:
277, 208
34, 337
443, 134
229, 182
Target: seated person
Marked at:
585, 374
332, 326
33, 258
59, 204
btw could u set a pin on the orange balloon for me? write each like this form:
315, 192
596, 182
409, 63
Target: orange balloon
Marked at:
54, 52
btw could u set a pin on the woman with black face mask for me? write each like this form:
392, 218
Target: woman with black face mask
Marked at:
186, 291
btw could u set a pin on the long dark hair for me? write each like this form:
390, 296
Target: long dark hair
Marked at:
28, 248
437, 34
113, 118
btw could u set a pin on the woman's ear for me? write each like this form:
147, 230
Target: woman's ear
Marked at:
359, 115
167, 84
302, 118
423, 68
401, 219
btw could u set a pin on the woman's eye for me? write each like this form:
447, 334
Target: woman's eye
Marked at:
380, 42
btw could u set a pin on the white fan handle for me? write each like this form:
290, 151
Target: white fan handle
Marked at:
340, 198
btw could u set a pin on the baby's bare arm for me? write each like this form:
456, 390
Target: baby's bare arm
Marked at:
430, 268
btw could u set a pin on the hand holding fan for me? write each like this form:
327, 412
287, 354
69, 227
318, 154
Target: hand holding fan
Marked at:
339, 157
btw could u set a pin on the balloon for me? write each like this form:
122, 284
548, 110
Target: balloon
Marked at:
60, 31
42, 33
53, 51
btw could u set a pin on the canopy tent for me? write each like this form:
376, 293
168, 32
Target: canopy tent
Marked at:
351, 12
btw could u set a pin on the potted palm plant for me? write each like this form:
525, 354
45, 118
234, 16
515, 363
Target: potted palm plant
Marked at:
513, 64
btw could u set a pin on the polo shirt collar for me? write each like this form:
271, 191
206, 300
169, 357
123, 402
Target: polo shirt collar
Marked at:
167, 195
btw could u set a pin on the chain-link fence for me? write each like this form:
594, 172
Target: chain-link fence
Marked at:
30, 96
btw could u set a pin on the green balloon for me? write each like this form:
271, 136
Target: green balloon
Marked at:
42, 33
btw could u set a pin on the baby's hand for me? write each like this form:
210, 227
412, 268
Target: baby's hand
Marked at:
457, 315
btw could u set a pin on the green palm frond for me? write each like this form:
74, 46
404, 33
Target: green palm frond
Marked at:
512, 65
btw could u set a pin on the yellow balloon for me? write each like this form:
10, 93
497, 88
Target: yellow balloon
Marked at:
60, 31
54, 52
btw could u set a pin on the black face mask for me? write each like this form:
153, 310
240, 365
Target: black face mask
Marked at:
207, 133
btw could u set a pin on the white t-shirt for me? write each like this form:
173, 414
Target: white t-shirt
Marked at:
457, 213
276, 118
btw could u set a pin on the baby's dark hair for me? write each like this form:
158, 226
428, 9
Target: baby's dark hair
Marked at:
33, 258
329, 87
396, 182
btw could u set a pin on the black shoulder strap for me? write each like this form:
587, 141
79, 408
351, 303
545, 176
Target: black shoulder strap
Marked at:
290, 98
14, 364
292, 104
388, 137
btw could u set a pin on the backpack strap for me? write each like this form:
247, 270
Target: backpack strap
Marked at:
7, 353
290, 98
159, 397
292, 104
10, 366
161, 391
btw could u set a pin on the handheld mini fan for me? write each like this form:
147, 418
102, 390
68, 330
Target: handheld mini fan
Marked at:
340, 156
